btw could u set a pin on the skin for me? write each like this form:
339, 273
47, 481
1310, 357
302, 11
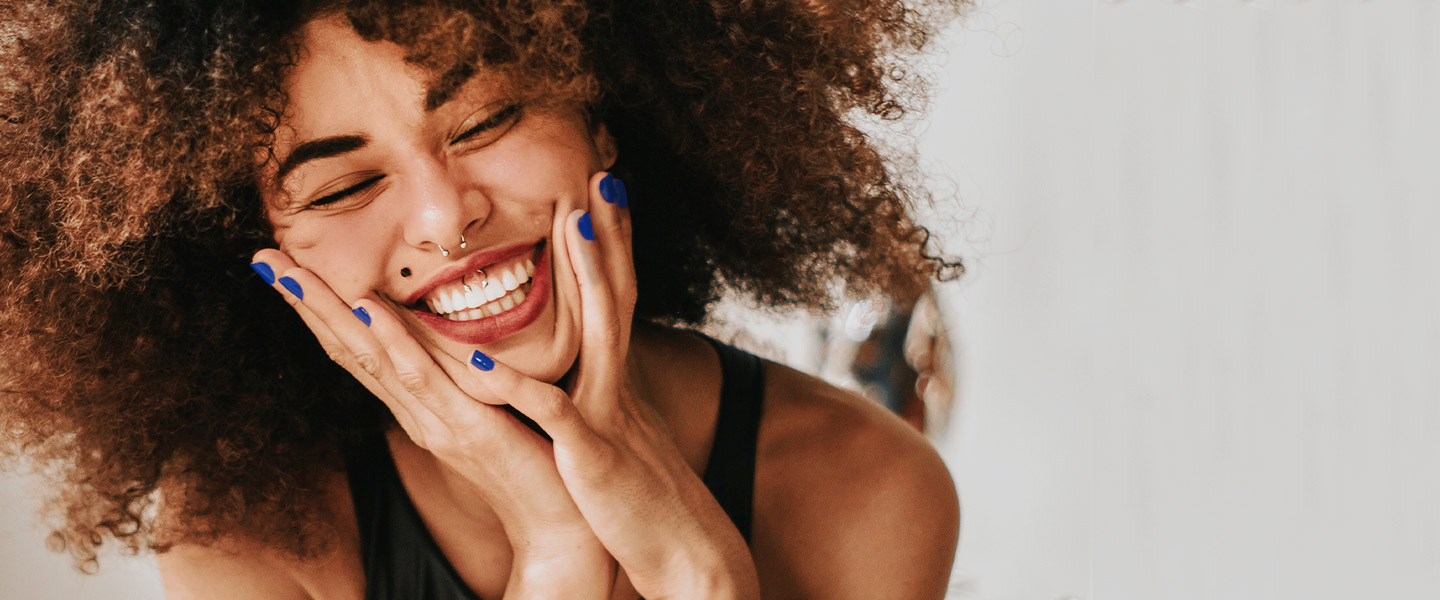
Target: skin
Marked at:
850, 503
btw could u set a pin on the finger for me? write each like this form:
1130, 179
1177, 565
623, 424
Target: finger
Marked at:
602, 331
611, 223
278, 269
417, 374
545, 404
344, 335
462, 373
467, 420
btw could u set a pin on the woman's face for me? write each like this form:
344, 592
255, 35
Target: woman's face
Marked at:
372, 185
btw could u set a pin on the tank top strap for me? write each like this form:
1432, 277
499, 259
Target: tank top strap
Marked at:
730, 470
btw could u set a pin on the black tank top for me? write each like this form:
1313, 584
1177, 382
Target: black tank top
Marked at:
402, 560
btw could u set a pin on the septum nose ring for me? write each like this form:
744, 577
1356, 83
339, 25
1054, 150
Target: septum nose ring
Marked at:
444, 252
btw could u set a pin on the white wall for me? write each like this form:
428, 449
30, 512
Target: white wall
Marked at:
1202, 337
1201, 334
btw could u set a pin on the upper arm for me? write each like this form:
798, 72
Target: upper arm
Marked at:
851, 502
190, 571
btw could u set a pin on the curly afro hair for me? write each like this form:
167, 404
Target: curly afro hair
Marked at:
137, 353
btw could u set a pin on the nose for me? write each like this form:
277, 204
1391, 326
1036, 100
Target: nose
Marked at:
441, 207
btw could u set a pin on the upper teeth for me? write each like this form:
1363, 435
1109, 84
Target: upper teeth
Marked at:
483, 287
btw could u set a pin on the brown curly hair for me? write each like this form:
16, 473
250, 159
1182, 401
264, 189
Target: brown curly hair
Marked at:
139, 354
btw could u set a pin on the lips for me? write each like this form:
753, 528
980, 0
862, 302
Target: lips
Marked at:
478, 325
472, 264
488, 291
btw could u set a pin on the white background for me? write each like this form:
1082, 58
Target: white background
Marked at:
1200, 337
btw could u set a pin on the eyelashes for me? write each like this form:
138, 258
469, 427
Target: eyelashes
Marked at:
342, 194
494, 125
478, 136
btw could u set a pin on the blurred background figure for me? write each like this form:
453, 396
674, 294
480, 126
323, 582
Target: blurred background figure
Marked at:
895, 353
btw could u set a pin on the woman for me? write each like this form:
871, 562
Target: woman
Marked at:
438, 191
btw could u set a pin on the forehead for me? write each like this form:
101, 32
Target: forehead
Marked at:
339, 77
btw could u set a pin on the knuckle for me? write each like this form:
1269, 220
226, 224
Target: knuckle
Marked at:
412, 381
554, 406
336, 353
446, 447
369, 363
421, 439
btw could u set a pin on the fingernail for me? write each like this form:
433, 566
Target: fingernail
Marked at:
264, 271
586, 231
293, 286
607, 188
482, 362
362, 314
622, 195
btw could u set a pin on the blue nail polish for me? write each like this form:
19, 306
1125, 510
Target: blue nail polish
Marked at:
586, 230
607, 188
622, 195
362, 314
482, 362
264, 271
293, 286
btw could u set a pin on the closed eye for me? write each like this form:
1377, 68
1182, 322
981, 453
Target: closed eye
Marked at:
495, 124
342, 194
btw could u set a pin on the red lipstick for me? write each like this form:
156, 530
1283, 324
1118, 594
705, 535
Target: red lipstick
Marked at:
478, 261
495, 327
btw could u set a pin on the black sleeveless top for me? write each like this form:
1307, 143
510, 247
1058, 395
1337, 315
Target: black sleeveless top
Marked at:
402, 560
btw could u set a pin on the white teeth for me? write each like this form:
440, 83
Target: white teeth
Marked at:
486, 309
475, 296
494, 289
492, 295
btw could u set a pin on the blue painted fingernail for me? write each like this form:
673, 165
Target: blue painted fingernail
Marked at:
362, 314
482, 362
264, 271
622, 195
293, 286
586, 231
607, 188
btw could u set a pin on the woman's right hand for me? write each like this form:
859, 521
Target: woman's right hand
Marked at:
444, 409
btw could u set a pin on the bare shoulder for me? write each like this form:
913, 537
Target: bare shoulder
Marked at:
850, 501
227, 570
238, 568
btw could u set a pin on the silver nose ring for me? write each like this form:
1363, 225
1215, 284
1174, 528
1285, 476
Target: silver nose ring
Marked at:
444, 252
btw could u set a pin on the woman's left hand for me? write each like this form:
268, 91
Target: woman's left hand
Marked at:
629, 480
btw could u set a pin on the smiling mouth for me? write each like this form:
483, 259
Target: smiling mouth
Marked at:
485, 292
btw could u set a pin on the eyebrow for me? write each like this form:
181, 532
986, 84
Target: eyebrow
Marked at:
435, 97
447, 84
318, 149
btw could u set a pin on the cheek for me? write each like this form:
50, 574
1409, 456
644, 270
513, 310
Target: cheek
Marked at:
349, 263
